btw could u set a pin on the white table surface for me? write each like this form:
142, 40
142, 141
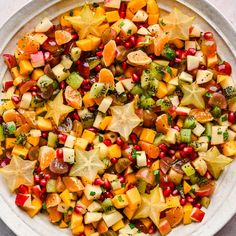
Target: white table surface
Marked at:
228, 7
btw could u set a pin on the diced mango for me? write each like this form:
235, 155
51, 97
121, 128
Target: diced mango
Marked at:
221, 78
148, 135
114, 151
25, 67
187, 213
129, 212
33, 140
102, 227
120, 201
162, 90
135, 5
36, 207
103, 27
15, 72
118, 191
153, 19
63, 224
77, 223
10, 143
119, 225
186, 187
229, 148
19, 150
88, 135
41, 110
81, 143
37, 73
18, 80
44, 124
100, 11
212, 61
134, 198
129, 14
1, 151
85, 201
88, 102
105, 122
89, 230
112, 16
152, 7
164, 226
65, 197
8, 105
88, 44
40, 38
173, 201
147, 222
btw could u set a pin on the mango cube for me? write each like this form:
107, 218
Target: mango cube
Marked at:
44, 124
81, 143
88, 135
36, 207
187, 213
114, 151
120, 201
65, 197
129, 212
19, 150
37, 73
134, 198
25, 67
148, 135
112, 16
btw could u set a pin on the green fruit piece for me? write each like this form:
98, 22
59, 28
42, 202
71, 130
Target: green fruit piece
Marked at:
188, 169
51, 186
52, 139
74, 80
98, 90
108, 206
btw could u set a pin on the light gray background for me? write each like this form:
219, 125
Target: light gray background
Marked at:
227, 7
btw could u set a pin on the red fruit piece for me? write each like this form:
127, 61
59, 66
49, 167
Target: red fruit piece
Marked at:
10, 60
197, 215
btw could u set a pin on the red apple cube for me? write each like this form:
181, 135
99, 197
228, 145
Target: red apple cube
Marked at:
164, 227
7, 84
36, 191
10, 60
23, 200
37, 59
197, 215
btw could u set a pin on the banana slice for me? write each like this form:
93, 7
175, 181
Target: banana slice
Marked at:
138, 58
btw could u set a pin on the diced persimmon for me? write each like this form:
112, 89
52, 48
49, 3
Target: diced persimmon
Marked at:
54, 215
164, 226
28, 45
62, 37
73, 184
162, 125
175, 216
151, 150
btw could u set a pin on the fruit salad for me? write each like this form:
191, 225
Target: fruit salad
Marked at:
118, 120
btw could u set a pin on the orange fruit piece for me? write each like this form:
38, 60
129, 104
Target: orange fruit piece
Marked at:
46, 155
106, 76
109, 53
73, 97
159, 43
62, 37
27, 45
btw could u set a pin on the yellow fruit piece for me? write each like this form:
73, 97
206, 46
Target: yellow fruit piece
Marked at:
73, 184
212, 61
129, 14
65, 197
119, 225
168, 76
88, 44
87, 101
153, 19
9, 105
15, 72
81, 143
36, 207
178, 43
41, 110
105, 122
180, 122
18, 80
85, 180
85, 201
33, 140
229, 148
114, 151
134, 198
186, 187
40, 38
25, 67
148, 135
221, 78
10, 143
120, 201
44, 124
147, 222
152, 7
172, 201
103, 27
20, 151
37, 73
129, 212
155, 165
100, 11
116, 26
63, 224
76, 223
118, 191
162, 90
112, 16
1, 151
88, 135
135, 5
187, 213
63, 21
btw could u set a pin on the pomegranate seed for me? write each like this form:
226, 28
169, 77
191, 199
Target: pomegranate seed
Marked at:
123, 6
119, 141
62, 138
44, 134
175, 192
208, 35
82, 234
132, 40
16, 99
131, 186
152, 56
101, 46
90, 147
99, 53
107, 142
23, 189
182, 146
162, 154
106, 184
198, 205
74, 36
34, 89
191, 51
108, 195
98, 68
122, 179
75, 116
34, 94
176, 127
231, 117
224, 68
178, 52
118, 40
149, 162
7, 84
43, 182
124, 65
122, 14
177, 60
1, 119
62, 84
182, 201
163, 147
133, 138
78, 209
183, 55
137, 147
171, 152
202, 67
127, 45
208, 175
47, 176
167, 192
102, 197
36, 179
130, 96
135, 78
189, 199
114, 160
188, 150
98, 181
78, 62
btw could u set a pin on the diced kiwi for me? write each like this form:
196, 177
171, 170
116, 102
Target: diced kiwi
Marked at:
185, 135
147, 103
74, 80
230, 91
87, 118
216, 112
190, 122
136, 90
165, 104
52, 139
141, 186
93, 62
98, 90
168, 53
2, 135
160, 138
108, 206
145, 79
37, 102
44, 81
156, 71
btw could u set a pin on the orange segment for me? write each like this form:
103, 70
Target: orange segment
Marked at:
106, 76
62, 37
27, 45
73, 97
46, 155
159, 43
109, 53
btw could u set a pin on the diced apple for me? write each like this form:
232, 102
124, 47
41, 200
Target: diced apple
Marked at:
128, 28
119, 88
112, 3
195, 32
23, 200
174, 100
92, 192
197, 215
68, 155
143, 31
140, 16
37, 59
186, 77
128, 84
70, 141
201, 57
200, 166
199, 129
60, 72
112, 218
171, 136
103, 149
44, 25
91, 217
192, 63
175, 177
66, 62
26, 100
94, 207
141, 159
75, 53
218, 134
203, 76
190, 44
105, 104
154, 29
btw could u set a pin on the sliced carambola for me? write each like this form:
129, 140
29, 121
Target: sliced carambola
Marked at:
188, 169
74, 80
98, 90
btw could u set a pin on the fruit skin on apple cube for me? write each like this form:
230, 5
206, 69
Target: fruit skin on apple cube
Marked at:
197, 215
134, 198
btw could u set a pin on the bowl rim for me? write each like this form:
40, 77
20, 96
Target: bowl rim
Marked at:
14, 222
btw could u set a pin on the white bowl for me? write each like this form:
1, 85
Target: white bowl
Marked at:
223, 205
